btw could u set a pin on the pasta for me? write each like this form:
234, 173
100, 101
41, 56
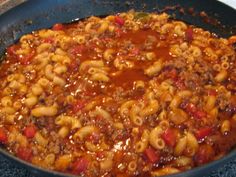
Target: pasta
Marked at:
44, 111
84, 132
85, 65
150, 109
106, 164
130, 94
132, 166
225, 126
125, 107
134, 115
221, 76
69, 121
6, 101
154, 139
63, 162
210, 104
31, 101
102, 113
192, 143
108, 54
154, 69
181, 145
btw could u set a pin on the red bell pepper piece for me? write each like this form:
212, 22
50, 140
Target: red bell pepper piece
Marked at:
204, 154
30, 131
80, 165
169, 136
199, 114
152, 156
12, 50
58, 27
189, 34
120, 21
194, 111
3, 135
203, 132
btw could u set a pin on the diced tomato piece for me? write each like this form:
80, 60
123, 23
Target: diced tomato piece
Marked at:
78, 105
3, 135
12, 50
24, 153
169, 136
152, 156
204, 154
30, 131
120, 21
189, 34
58, 27
203, 132
80, 165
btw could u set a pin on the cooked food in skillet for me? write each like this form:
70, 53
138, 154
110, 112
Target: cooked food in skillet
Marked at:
132, 94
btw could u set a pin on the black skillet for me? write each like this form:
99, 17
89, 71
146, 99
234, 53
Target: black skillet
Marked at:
36, 14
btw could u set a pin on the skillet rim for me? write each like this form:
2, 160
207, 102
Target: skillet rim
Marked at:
200, 169
38, 170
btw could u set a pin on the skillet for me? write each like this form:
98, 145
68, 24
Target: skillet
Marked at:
33, 15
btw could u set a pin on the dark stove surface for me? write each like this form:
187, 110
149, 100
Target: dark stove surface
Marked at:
7, 169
